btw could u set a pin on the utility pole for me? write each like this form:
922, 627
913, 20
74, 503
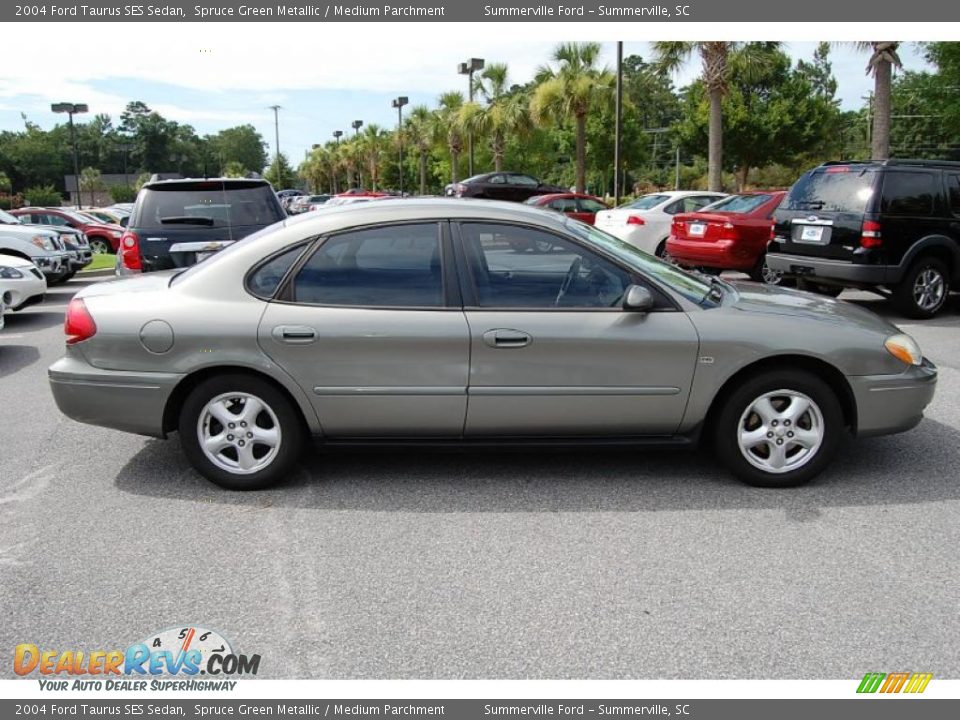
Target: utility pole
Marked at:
618, 130
398, 103
469, 68
73, 109
276, 130
337, 134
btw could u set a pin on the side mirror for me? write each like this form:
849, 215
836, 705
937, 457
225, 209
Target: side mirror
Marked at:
637, 299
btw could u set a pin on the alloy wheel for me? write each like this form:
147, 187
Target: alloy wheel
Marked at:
929, 289
238, 432
780, 431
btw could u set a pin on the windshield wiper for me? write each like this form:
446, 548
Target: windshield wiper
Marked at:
186, 220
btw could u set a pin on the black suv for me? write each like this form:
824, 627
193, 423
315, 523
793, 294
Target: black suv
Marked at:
176, 223
891, 226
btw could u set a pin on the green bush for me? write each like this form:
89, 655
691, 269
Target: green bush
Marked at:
43, 196
122, 193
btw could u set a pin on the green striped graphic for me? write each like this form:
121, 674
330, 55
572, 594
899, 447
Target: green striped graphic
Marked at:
871, 682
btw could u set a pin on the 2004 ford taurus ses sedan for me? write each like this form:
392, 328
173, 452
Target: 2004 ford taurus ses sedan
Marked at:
476, 322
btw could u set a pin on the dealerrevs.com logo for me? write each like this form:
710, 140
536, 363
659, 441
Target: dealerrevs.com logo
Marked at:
173, 659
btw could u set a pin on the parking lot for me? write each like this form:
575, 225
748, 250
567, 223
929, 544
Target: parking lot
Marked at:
512, 564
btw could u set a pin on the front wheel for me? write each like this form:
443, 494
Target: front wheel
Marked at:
240, 432
923, 291
99, 246
779, 429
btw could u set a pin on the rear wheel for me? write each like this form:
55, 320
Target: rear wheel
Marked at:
240, 432
762, 272
779, 429
924, 289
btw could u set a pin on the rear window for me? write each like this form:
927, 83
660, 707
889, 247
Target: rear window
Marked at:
837, 189
209, 205
645, 203
909, 193
739, 203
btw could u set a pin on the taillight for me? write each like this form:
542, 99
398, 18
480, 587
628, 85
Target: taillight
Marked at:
728, 231
870, 234
773, 232
130, 252
636, 220
79, 324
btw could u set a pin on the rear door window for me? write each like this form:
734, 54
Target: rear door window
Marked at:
833, 189
909, 193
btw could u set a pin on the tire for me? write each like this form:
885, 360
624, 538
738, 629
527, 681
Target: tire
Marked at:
763, 274
661, 251
924, 302
278, 424
61, 279
99, 246
822, 424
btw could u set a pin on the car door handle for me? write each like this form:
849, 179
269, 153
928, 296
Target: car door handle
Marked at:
294, 334
506, 338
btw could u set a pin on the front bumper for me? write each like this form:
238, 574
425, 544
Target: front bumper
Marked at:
836, 270
130, 401
888, 404
80, 259
52, 265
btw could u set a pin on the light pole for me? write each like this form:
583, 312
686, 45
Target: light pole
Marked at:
276, 130
618, 127
337, 134
356, 125
469, 68
398, 103
72, 109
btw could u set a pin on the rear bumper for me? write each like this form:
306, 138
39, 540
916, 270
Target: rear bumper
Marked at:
836, 270
888, 404
130, 401
724, 254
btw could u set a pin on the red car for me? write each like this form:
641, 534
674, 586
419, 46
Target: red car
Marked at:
576, 205
731, 234
103, 237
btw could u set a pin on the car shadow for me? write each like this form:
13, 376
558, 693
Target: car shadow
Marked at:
32, 319
14, 358
911, 468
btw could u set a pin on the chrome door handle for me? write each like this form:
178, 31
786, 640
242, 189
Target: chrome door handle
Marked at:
506, 338
296, 334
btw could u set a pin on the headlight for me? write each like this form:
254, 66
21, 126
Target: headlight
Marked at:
904, 348
42, 241
9, 273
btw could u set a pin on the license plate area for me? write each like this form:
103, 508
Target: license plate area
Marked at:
811, 234
697, 229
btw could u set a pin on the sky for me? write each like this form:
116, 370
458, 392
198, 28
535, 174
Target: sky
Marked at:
211, 80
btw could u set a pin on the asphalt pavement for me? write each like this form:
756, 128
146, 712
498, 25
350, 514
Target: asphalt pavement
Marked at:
519, 564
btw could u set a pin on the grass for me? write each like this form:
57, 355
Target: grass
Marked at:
101, 262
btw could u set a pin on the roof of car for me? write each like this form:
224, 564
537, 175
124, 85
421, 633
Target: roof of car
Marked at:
191, 182
893, 162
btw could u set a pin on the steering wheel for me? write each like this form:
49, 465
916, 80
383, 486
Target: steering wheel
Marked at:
572, 274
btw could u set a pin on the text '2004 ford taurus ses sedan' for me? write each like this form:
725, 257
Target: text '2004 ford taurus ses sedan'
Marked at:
445, 321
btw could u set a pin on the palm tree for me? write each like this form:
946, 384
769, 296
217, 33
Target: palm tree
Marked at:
570, 90
419, 134
503, 113
883, 59
448, 129
715, 57
373, 141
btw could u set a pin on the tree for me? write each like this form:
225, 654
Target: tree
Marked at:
241, 144
284, 177
502, 114
373, 140
234, 169
883, 58
570, 90
418, 132
714, 55
91, 182
448, 129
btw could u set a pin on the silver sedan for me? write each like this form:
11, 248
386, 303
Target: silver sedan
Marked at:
444, 322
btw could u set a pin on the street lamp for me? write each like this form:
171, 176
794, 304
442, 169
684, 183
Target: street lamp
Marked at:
398, 103
337, 134
72, 109
469, 68
356, 124
276, 129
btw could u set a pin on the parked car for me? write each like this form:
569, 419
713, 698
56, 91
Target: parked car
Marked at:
102, 237
176, 223
892, 226
21, 283
110, 216
645, 222
731, 234
378, 324
42, 247
576, 205
306, 203
515, 187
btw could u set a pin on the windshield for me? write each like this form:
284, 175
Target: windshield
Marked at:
738, 204
644, 203
690, 286
836, 189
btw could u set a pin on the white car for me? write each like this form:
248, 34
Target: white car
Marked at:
645, 222
21, 283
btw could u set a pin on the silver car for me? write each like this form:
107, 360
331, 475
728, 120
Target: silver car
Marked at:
474, 322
